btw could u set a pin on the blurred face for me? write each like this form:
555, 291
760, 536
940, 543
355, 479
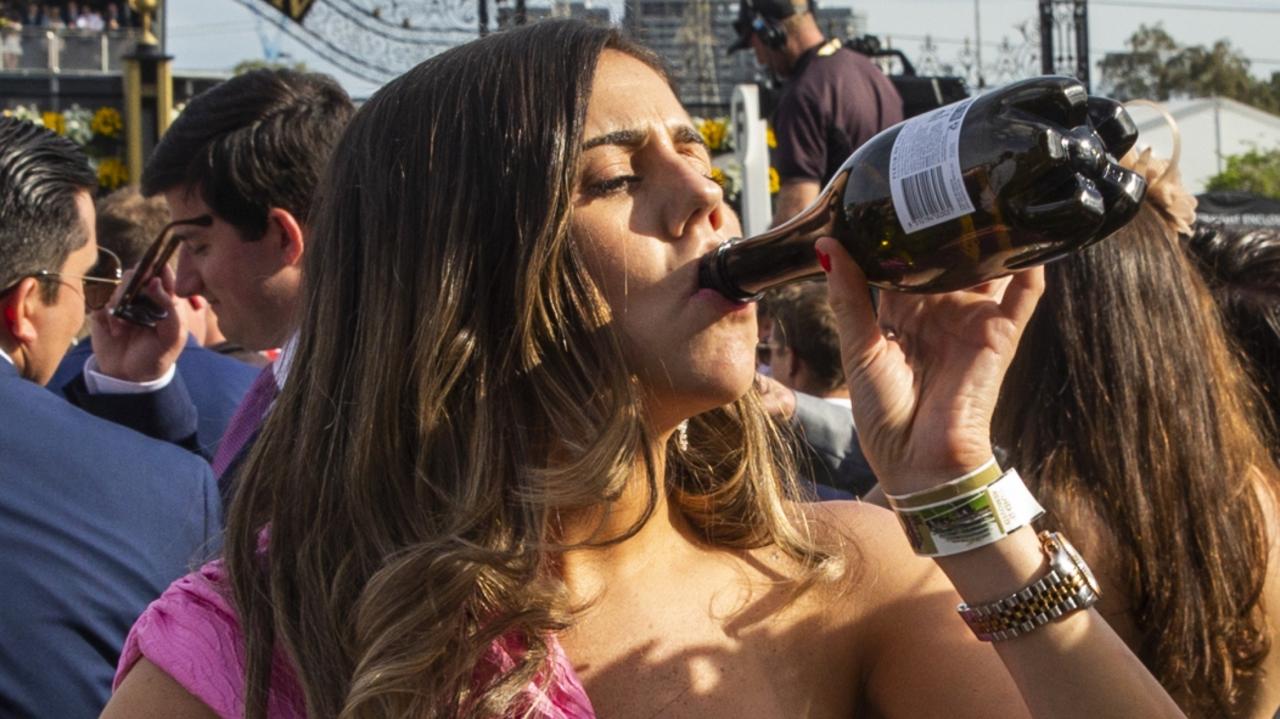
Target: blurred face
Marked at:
780, 357
250, 286
645, 210
769, 58
60, 321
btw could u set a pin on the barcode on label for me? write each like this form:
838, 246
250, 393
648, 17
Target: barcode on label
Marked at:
925, 177
926, 195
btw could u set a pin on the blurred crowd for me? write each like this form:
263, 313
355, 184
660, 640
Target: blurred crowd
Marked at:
93, 17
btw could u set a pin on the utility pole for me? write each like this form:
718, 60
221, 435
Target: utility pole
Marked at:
977, 44
1062, 21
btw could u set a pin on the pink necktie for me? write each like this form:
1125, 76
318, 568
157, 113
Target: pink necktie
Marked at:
245, 422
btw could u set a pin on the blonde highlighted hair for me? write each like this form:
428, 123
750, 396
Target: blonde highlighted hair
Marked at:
456, 384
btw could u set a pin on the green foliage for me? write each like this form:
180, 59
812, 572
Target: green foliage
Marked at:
250, 65
1158, 68
1255, 171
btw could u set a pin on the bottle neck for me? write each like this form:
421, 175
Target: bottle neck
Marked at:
742, 269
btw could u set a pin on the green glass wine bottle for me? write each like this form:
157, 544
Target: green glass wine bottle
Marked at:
958, 196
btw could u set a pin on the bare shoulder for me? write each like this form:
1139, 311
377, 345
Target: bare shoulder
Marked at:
880, 572
1267, 490
896, 613
148, 692
1268, 494
867, 537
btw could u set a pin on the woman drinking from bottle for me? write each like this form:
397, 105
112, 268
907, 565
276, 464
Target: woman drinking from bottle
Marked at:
519, 468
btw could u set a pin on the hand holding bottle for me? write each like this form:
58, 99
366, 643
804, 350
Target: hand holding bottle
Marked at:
925, 371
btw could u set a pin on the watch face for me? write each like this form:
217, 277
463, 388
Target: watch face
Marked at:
1077, 560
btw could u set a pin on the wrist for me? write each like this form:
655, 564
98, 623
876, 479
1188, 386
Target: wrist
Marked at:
98, 381
941, 462
1065, 585
990, 572
910, 479
133, 374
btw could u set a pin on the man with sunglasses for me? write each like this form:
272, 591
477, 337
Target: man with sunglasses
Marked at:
238, 169
95, 520
127, 224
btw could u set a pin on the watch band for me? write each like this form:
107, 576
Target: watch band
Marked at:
1068, 587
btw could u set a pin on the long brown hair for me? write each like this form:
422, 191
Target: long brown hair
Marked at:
1242, 268
1125, 405
456, 385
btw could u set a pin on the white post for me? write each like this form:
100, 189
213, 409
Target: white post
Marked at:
52, 41
753, 155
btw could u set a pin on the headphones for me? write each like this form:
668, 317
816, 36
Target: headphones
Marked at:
769, 31
767, 25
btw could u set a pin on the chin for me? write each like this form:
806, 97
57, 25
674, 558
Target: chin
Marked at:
718, 388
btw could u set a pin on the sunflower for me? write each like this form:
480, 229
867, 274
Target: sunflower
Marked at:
54, 121
112, 173
106, 122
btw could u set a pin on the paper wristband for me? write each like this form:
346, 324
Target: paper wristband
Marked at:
975, 520
959, 487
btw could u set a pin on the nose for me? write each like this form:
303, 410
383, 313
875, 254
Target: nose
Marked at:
186, 280
698, 201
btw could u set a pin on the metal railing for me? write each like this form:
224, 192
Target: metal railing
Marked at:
36, 49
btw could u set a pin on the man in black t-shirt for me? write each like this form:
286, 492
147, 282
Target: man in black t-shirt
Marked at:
833, 98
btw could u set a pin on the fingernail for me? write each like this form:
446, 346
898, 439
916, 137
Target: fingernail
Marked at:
823, 259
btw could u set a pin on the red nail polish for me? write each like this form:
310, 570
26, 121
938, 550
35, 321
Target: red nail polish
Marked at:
823, 259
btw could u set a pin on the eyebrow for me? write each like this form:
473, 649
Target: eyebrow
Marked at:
682, 135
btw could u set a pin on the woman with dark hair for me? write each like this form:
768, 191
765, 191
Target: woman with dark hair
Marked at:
1138, 432
1242, 267
519, 461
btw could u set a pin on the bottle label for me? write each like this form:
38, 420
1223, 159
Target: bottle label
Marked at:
924, 169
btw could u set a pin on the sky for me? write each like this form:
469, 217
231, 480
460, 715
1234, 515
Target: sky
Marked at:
213, 35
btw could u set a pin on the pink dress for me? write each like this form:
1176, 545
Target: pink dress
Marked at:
191, 633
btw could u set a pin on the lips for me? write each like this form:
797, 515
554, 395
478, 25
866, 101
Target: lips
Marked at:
720, 302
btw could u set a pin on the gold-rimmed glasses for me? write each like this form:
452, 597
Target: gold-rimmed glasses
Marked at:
96, 286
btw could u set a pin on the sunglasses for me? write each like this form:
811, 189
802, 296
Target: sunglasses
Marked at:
136, 307
96, 286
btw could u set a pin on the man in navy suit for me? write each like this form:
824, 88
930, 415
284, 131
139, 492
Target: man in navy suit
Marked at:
247, 155
215, 385
95, 519
127, 223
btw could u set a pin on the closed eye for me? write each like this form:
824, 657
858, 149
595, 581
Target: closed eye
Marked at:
607, 187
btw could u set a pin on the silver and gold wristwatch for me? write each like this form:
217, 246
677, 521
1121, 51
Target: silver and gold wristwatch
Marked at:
1069, 586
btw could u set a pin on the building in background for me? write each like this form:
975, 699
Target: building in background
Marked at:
692, 36
583, 10
1212, 128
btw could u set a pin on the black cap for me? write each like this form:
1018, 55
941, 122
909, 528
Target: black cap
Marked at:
747, 12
